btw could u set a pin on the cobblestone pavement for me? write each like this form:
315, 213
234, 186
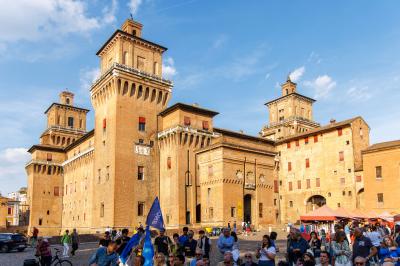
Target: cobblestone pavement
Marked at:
246, 243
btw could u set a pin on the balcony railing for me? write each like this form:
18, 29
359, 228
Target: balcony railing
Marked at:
291, 119
133, 71
71, 130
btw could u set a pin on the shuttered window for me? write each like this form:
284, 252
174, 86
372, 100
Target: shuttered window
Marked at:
205, 125
186, 121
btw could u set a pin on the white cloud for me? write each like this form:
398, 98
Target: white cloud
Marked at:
314, 58
358, 94
32, 20
109, 12
134, 6
87, 77
297, 73
219, 41
14, 155
322, 86
12, 169
168, 67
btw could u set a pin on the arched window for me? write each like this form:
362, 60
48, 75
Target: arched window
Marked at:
67, 100
125, 58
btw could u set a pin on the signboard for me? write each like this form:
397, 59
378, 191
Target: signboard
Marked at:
142, 149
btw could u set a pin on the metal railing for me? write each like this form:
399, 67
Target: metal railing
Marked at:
291, 119
133, 71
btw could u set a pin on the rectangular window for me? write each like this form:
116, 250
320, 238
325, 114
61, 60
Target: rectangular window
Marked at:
317, 182
276, 187
108, 173
140, 208
169, 163
289, 166
298, 184
40, 221
290, 203
315, 138
210, 171
260, 210
297, 143
288, 145
141, 61
290, 186
233, 212
341, 156
205, 125
70, 121
186, 121
102, 209
49, 157
339, 132
211, 213
306, 140
155, 68
142, 124
308, 182
9, 211
358, 178
56, 191
275, 202
378, 171
380, 197
104, 123
140, 175
342, 181
307, 163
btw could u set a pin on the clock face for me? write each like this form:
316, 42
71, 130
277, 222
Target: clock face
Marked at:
239, 174
262, 178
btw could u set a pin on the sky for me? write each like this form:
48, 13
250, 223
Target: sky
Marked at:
228, 56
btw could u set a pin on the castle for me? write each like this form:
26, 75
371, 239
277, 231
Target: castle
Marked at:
204, 176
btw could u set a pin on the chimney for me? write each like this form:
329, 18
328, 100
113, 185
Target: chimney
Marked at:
332, 121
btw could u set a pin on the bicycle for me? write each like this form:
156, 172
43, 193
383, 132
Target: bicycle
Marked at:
57, 261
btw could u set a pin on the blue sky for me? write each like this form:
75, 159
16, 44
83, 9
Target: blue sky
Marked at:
229, 56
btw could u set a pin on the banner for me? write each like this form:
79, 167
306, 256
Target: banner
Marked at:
154, 218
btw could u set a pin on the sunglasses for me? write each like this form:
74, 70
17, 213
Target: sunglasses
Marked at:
359, 263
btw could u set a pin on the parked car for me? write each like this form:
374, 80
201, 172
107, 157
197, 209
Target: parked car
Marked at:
10, 242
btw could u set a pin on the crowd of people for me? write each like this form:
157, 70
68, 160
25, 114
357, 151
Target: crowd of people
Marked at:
347, 244
341, 245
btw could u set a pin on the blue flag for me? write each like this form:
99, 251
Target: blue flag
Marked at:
133, 242
148, 249
154, 218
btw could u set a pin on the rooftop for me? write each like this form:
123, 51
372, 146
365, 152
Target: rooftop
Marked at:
383, 146
130, 36
188, 108
241, 135
322, 129
290, 94
67, 106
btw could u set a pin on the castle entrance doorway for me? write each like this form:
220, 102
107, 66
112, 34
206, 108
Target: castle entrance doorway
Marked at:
247, 208
315, 202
